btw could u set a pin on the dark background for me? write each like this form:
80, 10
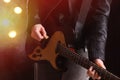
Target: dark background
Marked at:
17, 66
113, 42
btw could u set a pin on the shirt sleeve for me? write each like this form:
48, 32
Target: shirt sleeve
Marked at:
98, 29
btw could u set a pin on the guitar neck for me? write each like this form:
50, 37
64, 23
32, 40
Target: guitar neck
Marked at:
78, 59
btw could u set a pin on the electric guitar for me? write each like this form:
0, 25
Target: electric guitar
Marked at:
56, 46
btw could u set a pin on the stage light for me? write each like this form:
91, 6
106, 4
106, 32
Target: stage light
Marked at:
7, 1
18, 10
12, 34
5, 22
13, 22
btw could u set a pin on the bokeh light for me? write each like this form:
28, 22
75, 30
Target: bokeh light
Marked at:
5, 22
12, 34
18, 10
13, 22
7, 1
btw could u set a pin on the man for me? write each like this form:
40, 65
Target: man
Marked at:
49, 16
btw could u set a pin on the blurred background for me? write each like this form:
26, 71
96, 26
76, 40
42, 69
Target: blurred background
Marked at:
14, 64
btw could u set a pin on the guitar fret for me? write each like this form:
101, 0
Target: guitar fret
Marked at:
78, 59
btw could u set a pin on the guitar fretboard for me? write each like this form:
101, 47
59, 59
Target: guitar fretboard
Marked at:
78, 59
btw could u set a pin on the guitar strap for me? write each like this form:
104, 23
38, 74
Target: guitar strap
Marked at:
83, 11
85, 6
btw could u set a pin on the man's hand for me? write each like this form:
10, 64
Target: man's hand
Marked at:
38, 32
92, 73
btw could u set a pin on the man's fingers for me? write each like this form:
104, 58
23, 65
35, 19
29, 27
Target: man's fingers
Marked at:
36, 36
96, 76
93, 74
100, 63
38, 32
90, 71
43, 32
